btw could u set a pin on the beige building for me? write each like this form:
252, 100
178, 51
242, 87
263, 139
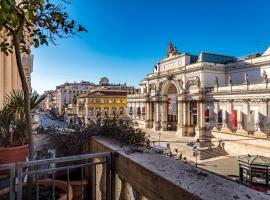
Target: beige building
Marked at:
9, 76
66, 93
101, 103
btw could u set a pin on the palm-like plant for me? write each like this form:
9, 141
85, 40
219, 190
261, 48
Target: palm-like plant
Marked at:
13, 118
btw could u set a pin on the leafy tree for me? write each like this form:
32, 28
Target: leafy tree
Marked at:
37, 22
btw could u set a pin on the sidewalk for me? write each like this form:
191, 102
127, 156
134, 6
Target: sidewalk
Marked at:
216, 160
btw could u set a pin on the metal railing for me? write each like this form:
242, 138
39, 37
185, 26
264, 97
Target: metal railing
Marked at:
48, 171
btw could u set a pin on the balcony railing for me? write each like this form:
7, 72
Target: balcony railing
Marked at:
47, 172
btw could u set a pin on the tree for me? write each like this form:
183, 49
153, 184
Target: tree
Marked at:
37, 22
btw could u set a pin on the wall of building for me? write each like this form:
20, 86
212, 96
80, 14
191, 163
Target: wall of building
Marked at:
9, 76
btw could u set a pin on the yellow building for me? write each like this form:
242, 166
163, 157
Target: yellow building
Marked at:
101, 103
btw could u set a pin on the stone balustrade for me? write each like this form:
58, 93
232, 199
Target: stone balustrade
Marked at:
155, 177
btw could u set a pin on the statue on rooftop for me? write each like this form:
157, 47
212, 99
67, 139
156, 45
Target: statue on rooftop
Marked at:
246, 78
217, 84
264, 76
230, 82
197, 81
172, 50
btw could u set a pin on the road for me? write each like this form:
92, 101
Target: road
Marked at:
46, 121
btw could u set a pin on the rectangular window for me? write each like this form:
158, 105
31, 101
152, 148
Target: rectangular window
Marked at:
220, 117
206, 116
234, 116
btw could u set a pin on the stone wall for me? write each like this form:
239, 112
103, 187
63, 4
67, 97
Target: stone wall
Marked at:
242, 145
156, 177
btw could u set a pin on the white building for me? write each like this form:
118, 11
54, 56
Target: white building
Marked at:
194, 95
66, 93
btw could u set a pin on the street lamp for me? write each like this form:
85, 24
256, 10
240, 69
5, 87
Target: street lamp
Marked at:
159, 134
195, 153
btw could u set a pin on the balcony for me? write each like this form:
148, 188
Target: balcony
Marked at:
114, 172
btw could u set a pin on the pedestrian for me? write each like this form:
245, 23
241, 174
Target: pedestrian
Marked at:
223, 145
209, 147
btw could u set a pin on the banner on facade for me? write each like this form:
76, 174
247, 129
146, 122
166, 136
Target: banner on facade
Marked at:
172, 105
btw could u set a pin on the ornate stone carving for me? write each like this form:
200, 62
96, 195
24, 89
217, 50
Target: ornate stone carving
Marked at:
194, 82
170, 77
181, 83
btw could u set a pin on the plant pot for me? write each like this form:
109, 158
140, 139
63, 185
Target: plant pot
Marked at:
62, 185
76, 186
13, 154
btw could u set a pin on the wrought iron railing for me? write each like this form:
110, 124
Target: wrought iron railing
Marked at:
46, 172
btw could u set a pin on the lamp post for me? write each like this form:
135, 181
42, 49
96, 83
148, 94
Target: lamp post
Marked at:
195, 153
159, 134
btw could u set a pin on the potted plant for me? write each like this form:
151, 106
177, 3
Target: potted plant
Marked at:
13, 135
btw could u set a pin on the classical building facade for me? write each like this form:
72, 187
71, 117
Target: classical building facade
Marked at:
99, 104
67, 92
194, 95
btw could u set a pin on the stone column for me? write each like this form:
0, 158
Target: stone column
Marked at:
86, 111
147, 121
263, 117
126, 191
180, 116
141, 197
100, 180
118, 186
151, 117
201, 120
164, 122
246, 114
157, 116
216, 110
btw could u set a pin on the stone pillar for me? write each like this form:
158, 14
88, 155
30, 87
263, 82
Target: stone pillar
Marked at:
263, 116
216, 110
147, 121
200, 129
141, 197
164, 122
157, 116
118, 186
180, 116
246, 114
126, 191
151, 117
100, 180
86, 111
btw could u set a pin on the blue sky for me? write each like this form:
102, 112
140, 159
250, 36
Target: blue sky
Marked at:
127, 37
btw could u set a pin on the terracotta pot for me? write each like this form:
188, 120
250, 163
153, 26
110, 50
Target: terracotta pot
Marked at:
76, 186
13, 154
48, 182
